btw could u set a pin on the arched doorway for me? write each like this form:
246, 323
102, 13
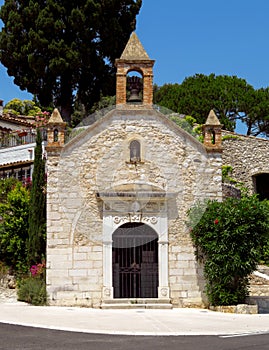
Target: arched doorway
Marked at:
261, 183
135, 261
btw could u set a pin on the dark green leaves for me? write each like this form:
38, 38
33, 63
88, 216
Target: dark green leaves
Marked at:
229, 237
14, 226
36, 242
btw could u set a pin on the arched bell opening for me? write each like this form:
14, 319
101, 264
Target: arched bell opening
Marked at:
135, 261
134, 87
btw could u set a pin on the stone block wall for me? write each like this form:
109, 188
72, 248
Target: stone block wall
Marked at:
247, 155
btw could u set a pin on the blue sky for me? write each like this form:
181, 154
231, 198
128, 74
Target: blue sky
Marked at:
196, 36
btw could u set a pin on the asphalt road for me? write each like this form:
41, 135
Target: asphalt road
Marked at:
19, 337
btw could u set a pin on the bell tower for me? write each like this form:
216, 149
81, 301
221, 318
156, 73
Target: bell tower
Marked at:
55, 132
134, 59
212, 133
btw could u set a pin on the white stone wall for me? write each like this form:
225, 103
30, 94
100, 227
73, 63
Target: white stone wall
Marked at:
98, 160
17, 153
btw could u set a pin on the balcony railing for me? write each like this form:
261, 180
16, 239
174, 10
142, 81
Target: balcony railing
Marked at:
18, 138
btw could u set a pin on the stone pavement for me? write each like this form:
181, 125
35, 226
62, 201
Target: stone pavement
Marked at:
134, 321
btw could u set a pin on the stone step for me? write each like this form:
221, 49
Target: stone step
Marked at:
137, 301
137, 304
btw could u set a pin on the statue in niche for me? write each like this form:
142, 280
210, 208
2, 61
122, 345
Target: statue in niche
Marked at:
135, 151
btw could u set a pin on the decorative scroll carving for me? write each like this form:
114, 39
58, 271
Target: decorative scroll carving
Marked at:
107, 292
135, 218
152, 219
120, 219
164, 292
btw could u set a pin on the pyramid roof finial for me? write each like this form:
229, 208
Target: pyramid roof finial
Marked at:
134, 50
55, 117
212, 119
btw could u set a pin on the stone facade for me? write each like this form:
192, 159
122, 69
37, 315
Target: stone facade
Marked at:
97, 161
133, 171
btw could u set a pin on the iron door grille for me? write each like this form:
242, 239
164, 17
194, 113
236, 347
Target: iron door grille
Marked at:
135, 261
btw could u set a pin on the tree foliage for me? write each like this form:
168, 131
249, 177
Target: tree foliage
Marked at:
6, 185
36, 243
229, 237
56, 49
232, 99
22, 107
14, 228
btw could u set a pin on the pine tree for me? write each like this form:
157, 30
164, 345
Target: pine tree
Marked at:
36, 245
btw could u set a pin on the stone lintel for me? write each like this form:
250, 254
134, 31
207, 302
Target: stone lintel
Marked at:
116, 195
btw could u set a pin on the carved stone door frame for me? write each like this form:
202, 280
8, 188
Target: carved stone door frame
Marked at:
157, 221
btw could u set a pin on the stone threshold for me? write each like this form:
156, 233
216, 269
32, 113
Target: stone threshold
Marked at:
137, 303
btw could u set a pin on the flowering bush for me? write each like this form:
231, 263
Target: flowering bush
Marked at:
41, 119
37, 270
33, 289
27, 182
230, 237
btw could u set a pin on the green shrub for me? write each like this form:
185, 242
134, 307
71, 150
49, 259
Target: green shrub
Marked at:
33, 291
14, 228
230, 237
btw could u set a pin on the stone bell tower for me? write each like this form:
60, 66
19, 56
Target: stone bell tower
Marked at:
55, 132
134, 59
212, 133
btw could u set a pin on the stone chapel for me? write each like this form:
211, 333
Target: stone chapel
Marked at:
117, 200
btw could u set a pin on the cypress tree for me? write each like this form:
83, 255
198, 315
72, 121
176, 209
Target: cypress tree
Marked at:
36, 245
59, 49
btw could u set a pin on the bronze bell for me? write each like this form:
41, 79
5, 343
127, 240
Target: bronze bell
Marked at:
135, 87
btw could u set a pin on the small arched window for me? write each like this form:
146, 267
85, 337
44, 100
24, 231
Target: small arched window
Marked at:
135, 151
55, 135
213, 137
